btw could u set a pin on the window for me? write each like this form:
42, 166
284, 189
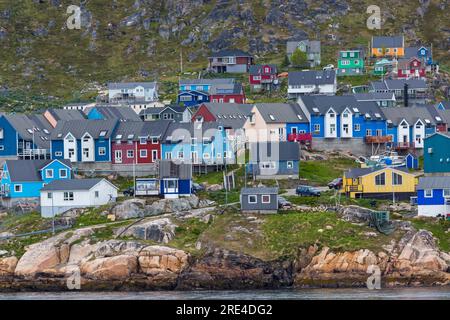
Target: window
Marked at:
63, 173
357, 127
168, 155
154, 140
252, 199
143, 153
143, 140
317, 128
428, 193
219, 155
154, 155
185, 98
380, 180
2, 134
379, 132
103, 133
130, 154
49, 195
49, 173
96, 194
290, 164
102, 151
368, 132
446, 192
265, 198
206, 156
2, 148
180, 155
397, 179
68, 196
17, 188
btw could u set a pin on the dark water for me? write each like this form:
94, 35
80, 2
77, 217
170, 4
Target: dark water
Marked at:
302, 294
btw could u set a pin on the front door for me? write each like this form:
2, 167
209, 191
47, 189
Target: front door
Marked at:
154, 155
171, 186
294, 130
118, 156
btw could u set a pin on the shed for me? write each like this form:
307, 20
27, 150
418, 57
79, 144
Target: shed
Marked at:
412, 162
259, 200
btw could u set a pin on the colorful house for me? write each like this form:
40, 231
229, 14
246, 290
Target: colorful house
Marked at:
436, 157
416, 89
382, 99
412, 162
379, 183
112, 112
382, 67
425, 55
233, 115
386, 46
119, 92
230, 61
312, 83
433, 196
137, 142
175, 113
412, 68
312, 48
263, 77
23, 179
175, 179
53, 116
350, 62
259, 200
83, 140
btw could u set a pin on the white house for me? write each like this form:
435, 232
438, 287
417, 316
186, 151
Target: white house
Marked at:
61, 195
132, 91
312, 82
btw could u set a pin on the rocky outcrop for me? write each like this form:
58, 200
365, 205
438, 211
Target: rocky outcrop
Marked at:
7, 266
160, 230
110, 268
157, 259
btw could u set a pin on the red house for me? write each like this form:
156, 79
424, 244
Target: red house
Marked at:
230, 61
227, 93
411, 69
263, 77
137, 142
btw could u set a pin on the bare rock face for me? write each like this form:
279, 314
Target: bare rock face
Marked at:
110, 268
158, 259
129, 209
160, 230
7, 266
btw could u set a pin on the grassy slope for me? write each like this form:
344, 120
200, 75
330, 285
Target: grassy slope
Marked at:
322, 172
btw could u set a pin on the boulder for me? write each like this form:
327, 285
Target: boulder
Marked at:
355, 214
110, 268
129, 209
160, 230
7, 266
157, 259
214, 187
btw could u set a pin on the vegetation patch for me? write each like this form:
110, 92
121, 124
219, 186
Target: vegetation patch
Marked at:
322, 172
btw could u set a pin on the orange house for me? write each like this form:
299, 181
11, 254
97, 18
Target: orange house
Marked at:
388, 46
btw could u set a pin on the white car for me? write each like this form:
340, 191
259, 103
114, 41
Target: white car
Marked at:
328, 67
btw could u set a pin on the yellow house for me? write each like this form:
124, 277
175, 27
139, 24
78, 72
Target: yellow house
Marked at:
388, 46
379, 183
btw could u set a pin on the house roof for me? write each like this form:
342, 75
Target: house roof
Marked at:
183, 131
259, 190
234, 88
258, 69
79, 127
24, 125
231, 115
206, 81
118, 112
411, 52
134, 130
444, 115
73, 184
230, 53
388, 42
438, 182
131, 85
272, 151
312, 77
411, 115
399, 84
312, 46
66, 114
375, 96
319, 105
281, 113
28, 170
359, 172
158, 110
446, 104
170, 169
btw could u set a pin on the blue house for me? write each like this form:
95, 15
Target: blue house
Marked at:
412, 162
192, 92
192, 98
197, 143
343, 117
433, 196
175, 179
23, 179
24, 136
83, 140
436, 156
270, 160
444, 105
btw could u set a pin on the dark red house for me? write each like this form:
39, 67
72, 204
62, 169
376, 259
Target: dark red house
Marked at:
411, 69
137, 142
263, 77
230, 61
227, 93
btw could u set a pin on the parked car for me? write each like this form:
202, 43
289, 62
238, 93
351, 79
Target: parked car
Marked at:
283, 203
335, 184
328, 67
129, 192
196, 187
307, 191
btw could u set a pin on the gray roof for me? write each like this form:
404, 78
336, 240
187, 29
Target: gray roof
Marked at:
358, 172
388, 42
259, 190
375, 96
339, 103
72, 184
118, 112
399, 84
230, 53
158, 110
23, 124
134, 130
170, 169
312, 77
312, 46
444, 115
258, 69
66, 114
79, 127
442, 182
411, 52
231, 115
281, 113
234, 88
263, 151
28, 170
410, 114
206, 81
130, 85
184, 131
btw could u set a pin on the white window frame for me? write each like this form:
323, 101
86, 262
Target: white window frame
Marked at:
68, 196
250, 196
425, 193
290, 164
101, 151
19, 190
49, 173
444, 191
128, 154
65, 173
143, 153
262, 198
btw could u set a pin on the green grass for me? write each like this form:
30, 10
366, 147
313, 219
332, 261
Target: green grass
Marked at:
187, 234
320, 173
92, 217
23, 223
329, 199
438, 228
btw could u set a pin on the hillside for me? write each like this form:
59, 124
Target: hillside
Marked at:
42, 62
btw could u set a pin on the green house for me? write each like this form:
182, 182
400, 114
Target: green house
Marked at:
382, 66
350, 62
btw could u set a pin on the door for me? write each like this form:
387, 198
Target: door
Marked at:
194, 157
294, 130
154, 155
71, 154
118, 156
86, 153
171, 186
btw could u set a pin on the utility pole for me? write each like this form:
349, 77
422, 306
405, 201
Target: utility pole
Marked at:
53, 215
181, 60
134, 171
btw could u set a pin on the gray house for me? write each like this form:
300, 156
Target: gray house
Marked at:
310, 47
383, 99
176, 113
259, 200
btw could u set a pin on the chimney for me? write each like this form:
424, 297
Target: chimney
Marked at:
405, 95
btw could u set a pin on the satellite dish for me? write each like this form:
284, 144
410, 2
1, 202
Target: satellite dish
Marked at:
275, 82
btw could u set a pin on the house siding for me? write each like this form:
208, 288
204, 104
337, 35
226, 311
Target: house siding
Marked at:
9, 140
439, 160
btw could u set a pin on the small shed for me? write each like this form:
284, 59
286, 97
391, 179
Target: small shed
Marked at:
412, 162
259, 200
